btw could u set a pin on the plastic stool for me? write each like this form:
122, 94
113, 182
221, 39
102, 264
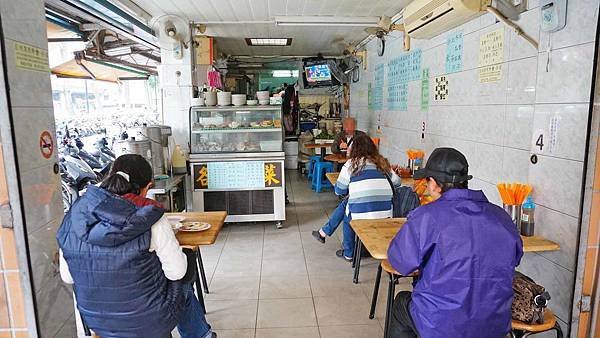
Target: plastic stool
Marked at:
318, 180
310, 166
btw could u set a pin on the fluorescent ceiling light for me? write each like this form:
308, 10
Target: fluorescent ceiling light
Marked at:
327, 20
269, 41
285, 73
250, 65
119, 51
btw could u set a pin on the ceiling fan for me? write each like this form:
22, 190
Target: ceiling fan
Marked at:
383, 28
173, 33
350, 63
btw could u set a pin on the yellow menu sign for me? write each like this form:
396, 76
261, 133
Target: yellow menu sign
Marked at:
31, 58
491, 55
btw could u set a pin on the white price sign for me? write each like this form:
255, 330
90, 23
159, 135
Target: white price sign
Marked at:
545, 141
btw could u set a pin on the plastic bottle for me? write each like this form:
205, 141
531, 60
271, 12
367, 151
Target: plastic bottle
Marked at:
527, 217
178, 161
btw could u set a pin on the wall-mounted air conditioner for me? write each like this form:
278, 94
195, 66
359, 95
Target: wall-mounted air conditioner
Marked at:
424, 19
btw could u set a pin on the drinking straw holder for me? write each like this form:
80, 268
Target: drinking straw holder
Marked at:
514, 211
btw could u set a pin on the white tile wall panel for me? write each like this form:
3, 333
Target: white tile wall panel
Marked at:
518, 125
582, 17
529, 22
571, 121
568, 77
515, 165
561, 228
28, 124
21, 22
557, 183
522, 76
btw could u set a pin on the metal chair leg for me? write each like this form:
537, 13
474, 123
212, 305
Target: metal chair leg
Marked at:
199, 288
375, 292
202, 273
354, 255
558, 329
357, 255
390, 304
86, 329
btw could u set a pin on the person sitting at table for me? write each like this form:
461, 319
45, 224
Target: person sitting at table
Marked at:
343, 139
368, 192
465, 250
119, 251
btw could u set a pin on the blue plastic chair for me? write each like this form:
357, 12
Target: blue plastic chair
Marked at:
310, 166
319, 181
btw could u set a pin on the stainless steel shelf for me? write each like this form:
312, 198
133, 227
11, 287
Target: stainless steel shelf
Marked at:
236, 130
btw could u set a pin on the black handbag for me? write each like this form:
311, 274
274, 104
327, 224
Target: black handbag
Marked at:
404, 199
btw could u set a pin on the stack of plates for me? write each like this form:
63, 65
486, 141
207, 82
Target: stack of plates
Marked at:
252, 102
224, 98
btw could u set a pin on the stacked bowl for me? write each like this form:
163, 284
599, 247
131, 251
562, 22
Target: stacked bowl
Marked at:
238, 99
263, 97
224, 98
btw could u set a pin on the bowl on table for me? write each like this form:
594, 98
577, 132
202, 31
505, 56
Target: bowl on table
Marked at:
238, 99
175, 222
252, 102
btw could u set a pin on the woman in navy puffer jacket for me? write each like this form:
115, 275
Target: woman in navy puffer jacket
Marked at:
125, 262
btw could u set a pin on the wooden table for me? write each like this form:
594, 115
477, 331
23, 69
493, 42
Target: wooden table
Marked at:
322, 146
207, 237
332, 177
197, 238
339, 158
376, 235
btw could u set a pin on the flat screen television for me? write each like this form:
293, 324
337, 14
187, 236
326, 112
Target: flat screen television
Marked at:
318, 73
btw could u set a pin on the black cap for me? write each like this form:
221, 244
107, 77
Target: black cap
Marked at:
446, 165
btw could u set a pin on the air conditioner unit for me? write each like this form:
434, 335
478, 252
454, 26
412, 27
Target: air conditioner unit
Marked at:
424, 19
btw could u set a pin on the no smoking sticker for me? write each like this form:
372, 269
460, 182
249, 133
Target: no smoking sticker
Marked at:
46, 144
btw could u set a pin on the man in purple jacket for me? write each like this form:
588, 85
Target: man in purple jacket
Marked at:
465, 249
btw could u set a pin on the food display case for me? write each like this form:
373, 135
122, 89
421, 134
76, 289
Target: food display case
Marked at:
236, 162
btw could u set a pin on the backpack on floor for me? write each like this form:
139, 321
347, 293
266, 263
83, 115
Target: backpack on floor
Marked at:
404, 199
530, 300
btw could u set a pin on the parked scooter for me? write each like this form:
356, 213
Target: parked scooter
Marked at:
75, 174
100, 168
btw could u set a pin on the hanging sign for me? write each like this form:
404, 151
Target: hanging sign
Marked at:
31, 58
46, 144
425, 90
441, 89
491, 55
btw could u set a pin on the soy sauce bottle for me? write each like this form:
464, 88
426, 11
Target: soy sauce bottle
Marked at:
527, 217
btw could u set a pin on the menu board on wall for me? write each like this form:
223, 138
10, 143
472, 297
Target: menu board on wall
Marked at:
425, 90
236, 175
491, 55
377, 91
454, 52
398, 97
405, 68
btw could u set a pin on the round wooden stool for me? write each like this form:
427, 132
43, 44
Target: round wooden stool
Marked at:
521, 329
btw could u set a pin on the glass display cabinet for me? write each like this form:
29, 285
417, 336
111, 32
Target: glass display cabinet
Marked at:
236, 162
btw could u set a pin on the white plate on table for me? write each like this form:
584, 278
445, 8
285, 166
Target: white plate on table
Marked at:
175, 221
194, 226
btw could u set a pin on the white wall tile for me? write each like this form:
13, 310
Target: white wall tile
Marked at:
490, 190
482, 123
518, 126
571, 125
557, 183
491, 92
522, 76
582, 18
515, 165
569, 77
561, 229
530, 24
486, 162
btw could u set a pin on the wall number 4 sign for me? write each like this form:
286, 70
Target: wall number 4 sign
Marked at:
545, 141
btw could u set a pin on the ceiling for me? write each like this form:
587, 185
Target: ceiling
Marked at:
306, 40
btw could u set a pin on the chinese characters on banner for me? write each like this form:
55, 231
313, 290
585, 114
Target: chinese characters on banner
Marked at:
425, 90
454, 52
400, 71
273, 174
377, 91
370, 96
31, 58
491, 55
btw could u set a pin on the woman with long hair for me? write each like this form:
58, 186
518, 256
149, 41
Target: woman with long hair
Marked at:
365, 180
126, 266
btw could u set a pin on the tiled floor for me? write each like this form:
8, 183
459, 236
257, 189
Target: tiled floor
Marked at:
269, 283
